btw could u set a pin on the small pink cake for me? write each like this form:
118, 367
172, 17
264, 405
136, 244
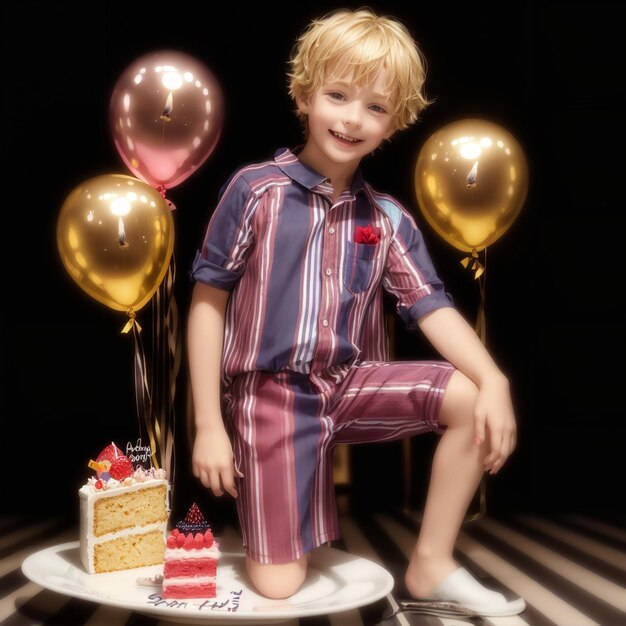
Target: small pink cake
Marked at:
191, 559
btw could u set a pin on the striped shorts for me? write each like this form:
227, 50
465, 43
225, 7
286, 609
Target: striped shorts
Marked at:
284, 431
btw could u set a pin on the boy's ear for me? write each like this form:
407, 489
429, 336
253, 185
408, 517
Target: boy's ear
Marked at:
302, 102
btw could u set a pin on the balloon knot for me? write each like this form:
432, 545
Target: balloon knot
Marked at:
161, 189
132, 321
473, 263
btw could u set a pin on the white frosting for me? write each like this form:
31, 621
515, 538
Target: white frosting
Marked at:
203, 553
114, 488
89, 495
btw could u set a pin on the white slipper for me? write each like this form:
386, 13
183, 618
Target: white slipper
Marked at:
463, 588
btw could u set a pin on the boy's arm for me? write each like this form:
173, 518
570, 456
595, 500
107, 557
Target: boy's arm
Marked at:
456, 341
212, 458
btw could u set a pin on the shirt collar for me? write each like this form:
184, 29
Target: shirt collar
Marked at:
289, 163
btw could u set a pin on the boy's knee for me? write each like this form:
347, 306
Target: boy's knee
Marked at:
277, 580
458, 402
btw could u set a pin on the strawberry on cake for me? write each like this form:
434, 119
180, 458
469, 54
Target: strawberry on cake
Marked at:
191, 559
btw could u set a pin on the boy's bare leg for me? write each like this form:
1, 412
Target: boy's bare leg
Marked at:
456, 472
277, 580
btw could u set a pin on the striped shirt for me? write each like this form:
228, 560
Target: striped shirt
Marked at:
305, 296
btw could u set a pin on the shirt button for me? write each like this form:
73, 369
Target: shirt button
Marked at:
329, 272
325, 323
331, 230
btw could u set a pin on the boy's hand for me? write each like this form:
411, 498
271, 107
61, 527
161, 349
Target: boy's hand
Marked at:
494, 419
212, 460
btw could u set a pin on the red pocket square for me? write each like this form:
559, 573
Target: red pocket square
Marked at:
367, 234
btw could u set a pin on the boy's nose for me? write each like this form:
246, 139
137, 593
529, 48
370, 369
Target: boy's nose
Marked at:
352, 117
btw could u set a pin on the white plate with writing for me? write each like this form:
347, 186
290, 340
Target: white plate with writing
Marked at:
336, 581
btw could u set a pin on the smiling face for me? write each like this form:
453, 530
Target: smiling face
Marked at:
346, 122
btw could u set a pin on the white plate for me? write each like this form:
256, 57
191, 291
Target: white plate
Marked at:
336, 581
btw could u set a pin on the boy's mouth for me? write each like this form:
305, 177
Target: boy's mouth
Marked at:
344, 138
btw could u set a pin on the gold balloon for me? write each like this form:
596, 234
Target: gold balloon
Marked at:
115, 235
471, 180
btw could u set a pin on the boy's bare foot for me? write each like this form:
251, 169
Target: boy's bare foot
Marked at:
424, 575
459, 587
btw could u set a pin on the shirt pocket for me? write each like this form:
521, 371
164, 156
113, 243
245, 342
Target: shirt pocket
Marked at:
359, 266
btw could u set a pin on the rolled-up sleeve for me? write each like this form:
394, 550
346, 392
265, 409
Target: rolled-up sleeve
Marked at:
410, 275
221, 261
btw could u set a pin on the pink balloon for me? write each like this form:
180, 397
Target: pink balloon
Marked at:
166, 114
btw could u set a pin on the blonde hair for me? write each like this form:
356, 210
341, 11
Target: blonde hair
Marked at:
360, 42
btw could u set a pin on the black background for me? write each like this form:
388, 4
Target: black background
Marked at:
548, 72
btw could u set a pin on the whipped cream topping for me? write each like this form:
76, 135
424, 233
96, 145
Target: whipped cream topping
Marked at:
140, 475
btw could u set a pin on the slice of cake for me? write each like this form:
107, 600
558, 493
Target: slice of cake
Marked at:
123, 514
191, 559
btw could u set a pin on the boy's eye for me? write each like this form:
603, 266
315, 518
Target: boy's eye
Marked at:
378, 109
335, 95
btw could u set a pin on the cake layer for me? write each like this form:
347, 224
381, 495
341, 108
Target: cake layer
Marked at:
191, 580
189, 567
203, 553
147, 505
207, 590
127, 552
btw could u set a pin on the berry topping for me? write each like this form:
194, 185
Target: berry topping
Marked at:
121, 468
175, 532
188, 545
110, 453
194, 521
171, 542
98, 484
208, 539
180, 540
198, 541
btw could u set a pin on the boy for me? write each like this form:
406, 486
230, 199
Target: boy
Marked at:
288, 295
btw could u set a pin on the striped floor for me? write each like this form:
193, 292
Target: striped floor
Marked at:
570, 569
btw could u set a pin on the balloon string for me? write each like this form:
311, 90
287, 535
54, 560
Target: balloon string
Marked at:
166, 364
481, 331
482, 503
173, 354
143, 398
481, 323
156, 354
480, 269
